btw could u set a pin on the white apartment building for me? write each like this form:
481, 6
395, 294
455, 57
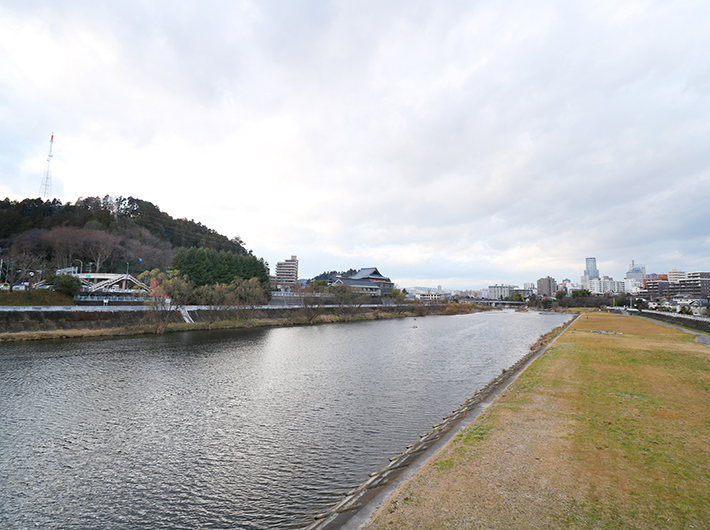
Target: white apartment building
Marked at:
499, 292
287, 271
676, 275
606, 285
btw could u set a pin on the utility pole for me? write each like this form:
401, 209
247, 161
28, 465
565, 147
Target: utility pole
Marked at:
45, 190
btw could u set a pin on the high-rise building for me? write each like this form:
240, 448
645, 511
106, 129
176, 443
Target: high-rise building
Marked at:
287, 271
591, 269
546, 286
590, 272
636, 272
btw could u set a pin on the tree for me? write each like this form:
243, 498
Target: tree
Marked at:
533, 301
517, 297
26, 262
331, 274
169, 292
99, 246
218, 297
581, 293
560, 294
249, 295
312, 299
343, 296
67, 284
66, 245
399, 299
113, 214
204, 266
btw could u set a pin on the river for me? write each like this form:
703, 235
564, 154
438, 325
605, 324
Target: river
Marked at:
245, 429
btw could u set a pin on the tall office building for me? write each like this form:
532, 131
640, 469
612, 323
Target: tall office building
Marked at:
590, 273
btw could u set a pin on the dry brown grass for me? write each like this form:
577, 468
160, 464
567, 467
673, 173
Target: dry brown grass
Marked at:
165, 327
603, 431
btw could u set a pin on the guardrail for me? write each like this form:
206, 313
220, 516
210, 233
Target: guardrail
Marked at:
676, 315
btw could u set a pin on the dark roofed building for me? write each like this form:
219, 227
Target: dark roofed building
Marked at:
373, 275
361, 286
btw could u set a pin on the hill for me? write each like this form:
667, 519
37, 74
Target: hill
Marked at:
107, 234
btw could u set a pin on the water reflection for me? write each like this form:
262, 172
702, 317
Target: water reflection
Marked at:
231, 429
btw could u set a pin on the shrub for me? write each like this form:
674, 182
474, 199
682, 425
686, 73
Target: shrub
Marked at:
66, 284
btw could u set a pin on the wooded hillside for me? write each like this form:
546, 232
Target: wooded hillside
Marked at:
112, 214
100, 234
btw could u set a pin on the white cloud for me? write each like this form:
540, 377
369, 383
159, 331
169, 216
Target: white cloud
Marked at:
476, 142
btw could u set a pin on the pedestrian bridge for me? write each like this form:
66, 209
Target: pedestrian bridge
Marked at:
96, 281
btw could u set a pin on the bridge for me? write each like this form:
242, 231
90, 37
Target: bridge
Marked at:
499, 303
96, 281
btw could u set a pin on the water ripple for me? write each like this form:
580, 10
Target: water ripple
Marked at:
249, 429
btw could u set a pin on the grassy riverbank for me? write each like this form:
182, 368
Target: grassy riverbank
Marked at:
295, 320
36, 297
605, 430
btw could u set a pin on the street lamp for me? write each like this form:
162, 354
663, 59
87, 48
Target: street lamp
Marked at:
81, 270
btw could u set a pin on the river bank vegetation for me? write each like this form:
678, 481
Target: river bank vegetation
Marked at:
167, 319
607, 429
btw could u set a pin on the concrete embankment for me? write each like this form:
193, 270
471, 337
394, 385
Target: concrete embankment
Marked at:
686, 321
607, 429
58, 318
21, 319
359, 504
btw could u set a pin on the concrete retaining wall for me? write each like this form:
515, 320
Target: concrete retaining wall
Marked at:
18, 319
49, 320
687, 321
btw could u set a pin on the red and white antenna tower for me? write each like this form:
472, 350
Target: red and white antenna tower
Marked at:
45, 190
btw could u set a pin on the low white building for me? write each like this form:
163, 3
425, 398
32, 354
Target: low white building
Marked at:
429, 297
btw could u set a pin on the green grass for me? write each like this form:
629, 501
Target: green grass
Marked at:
604, 431
36, 297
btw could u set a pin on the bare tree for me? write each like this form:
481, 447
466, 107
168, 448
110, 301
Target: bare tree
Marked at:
249, 295
25, 265
168, 294
99, 246
66, 245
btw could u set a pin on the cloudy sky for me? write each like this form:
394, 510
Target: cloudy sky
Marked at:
459, 143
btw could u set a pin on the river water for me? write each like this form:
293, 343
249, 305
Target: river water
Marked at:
246, 429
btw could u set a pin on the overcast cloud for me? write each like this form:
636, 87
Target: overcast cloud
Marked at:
453, 143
